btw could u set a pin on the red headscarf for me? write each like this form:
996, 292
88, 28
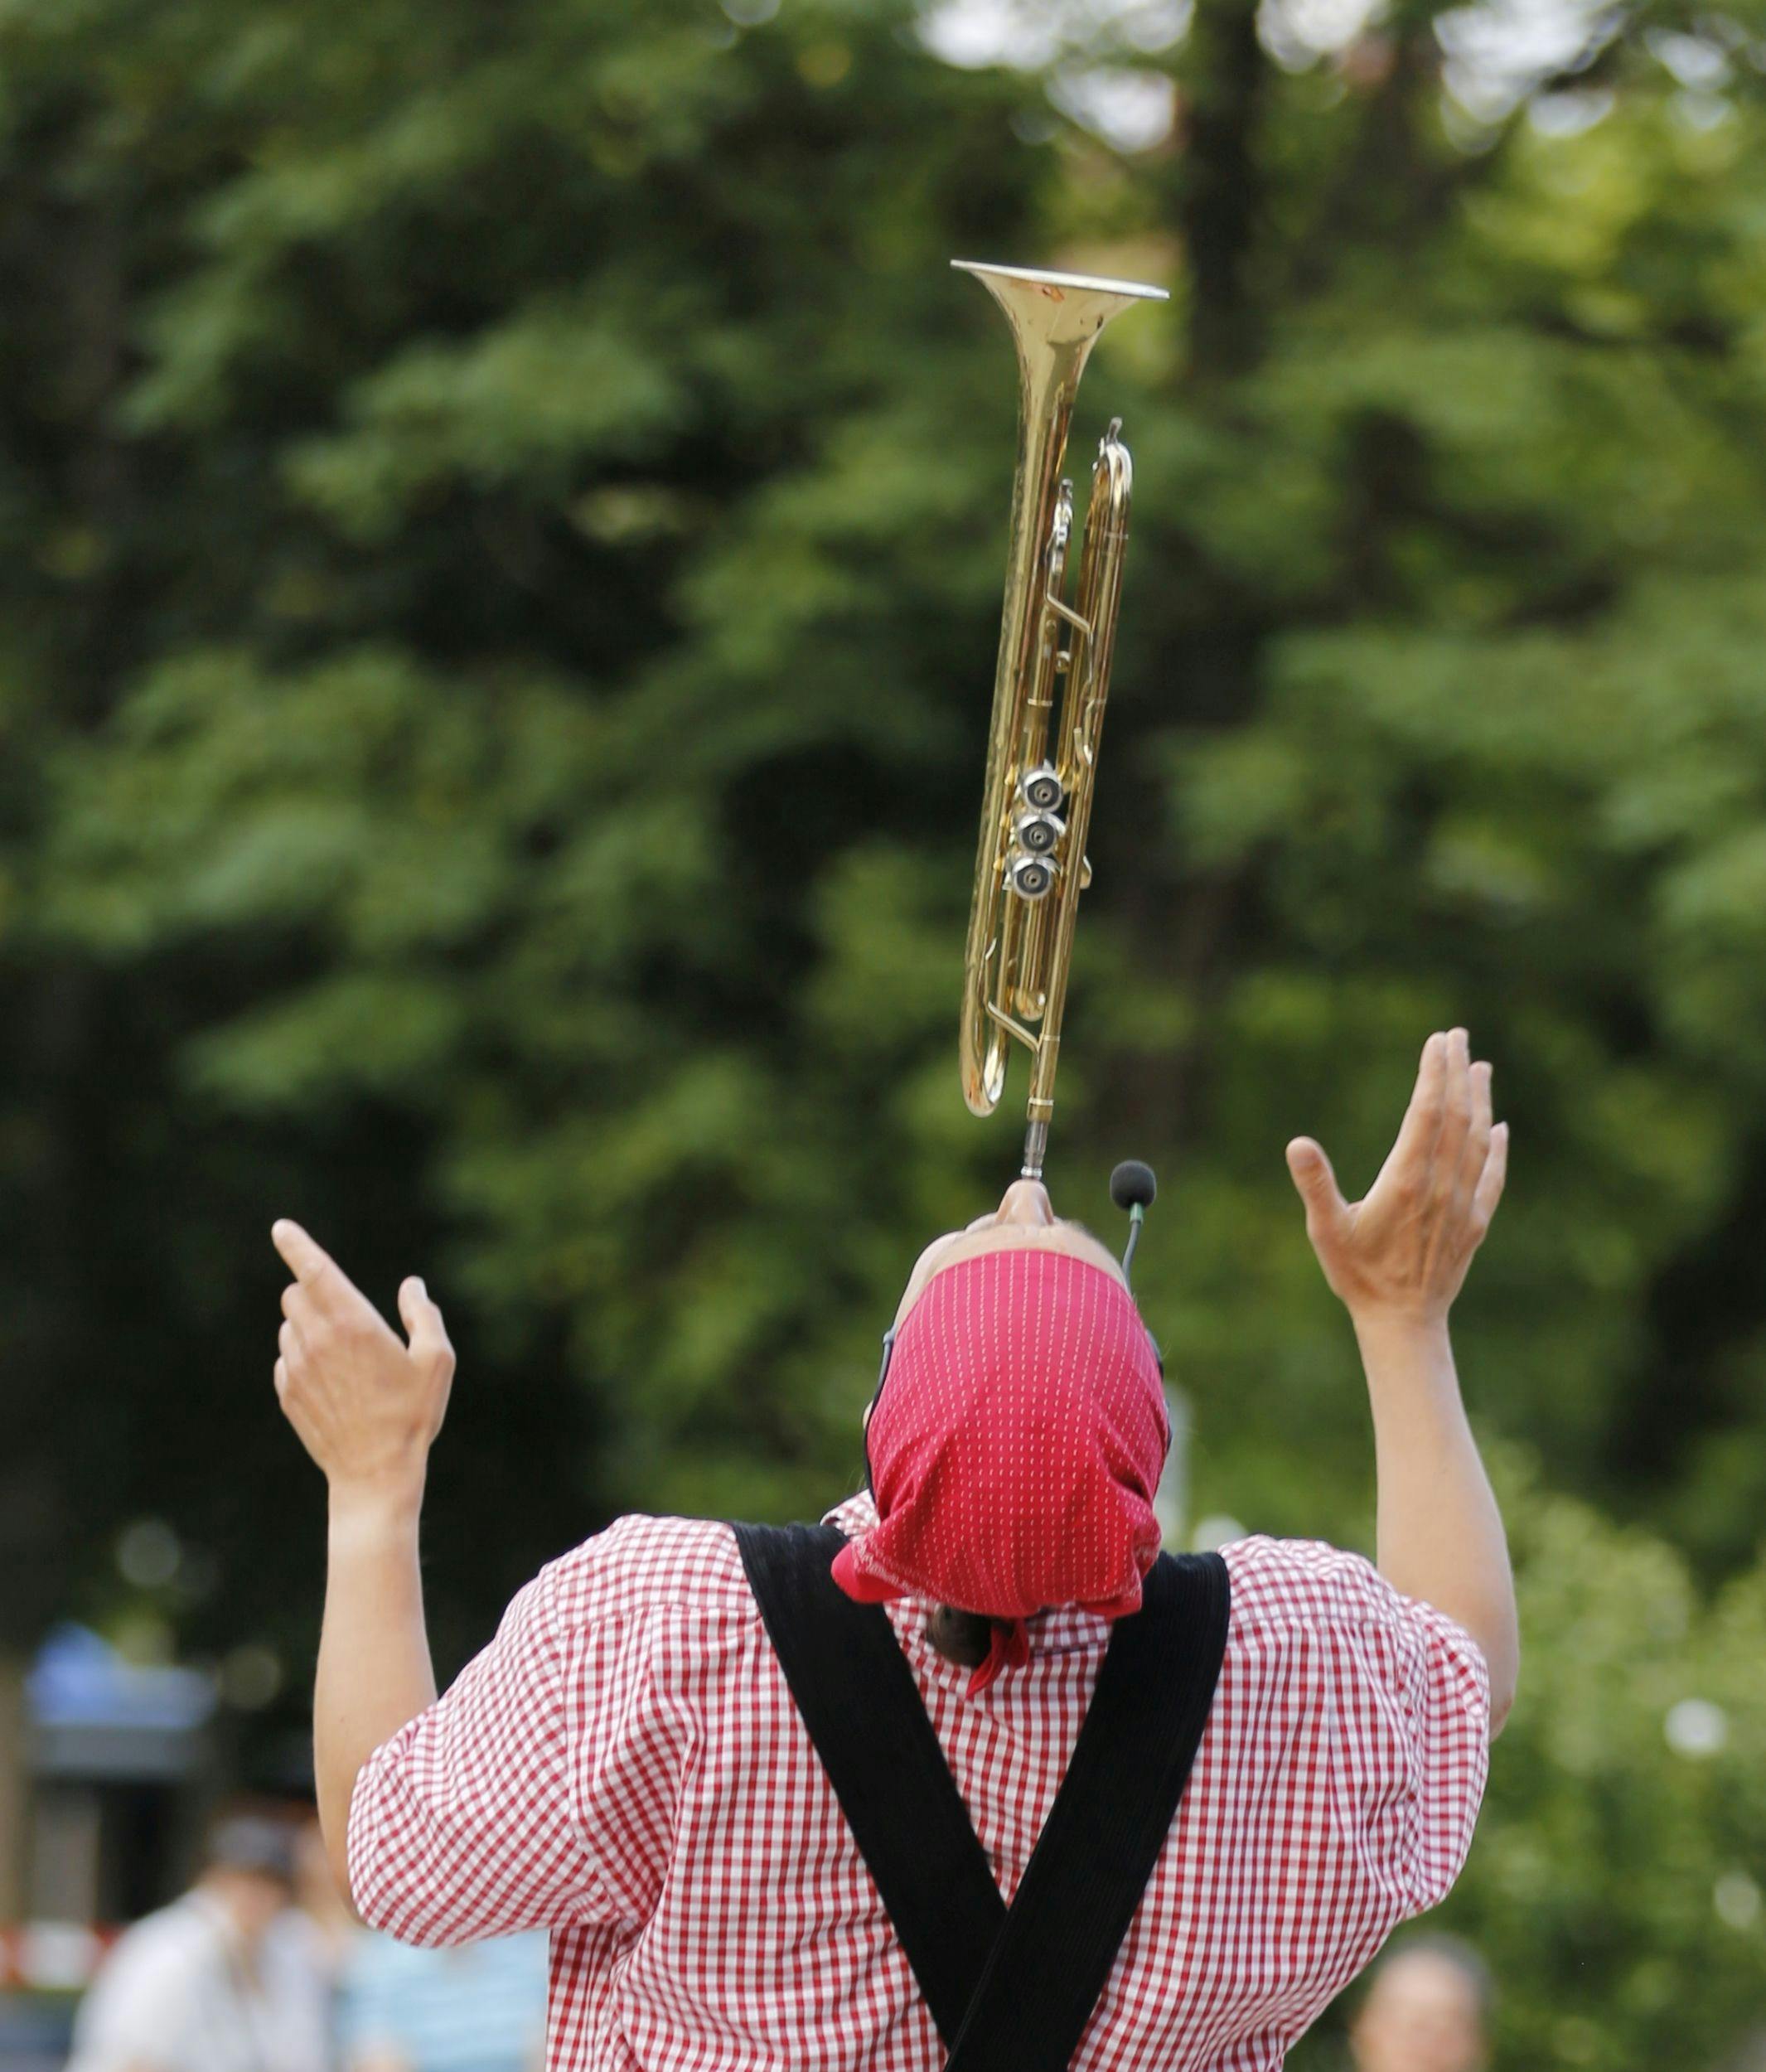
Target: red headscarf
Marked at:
1015, 1449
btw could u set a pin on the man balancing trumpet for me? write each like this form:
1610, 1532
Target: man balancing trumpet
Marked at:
971, 1774
625, 1764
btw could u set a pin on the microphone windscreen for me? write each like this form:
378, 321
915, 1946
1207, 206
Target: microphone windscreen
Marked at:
1132, 1185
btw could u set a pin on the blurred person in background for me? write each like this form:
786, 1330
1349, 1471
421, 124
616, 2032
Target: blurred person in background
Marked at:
625, 1764
214, 1982
322, 1923
1429, 2007
321, 1913
481, 2008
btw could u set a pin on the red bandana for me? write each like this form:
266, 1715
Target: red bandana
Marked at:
1014, 1449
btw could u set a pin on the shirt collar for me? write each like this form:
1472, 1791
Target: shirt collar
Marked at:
857, 1513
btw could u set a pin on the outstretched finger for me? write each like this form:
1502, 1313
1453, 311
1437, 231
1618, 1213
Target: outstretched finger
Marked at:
305, 1260
1490, 1181
422, 1322
1421, 1126
325, 1282
1476, 1152
1327, 1212
1456, 1111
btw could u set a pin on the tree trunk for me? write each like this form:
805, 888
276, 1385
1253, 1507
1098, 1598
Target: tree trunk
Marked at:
1220, 197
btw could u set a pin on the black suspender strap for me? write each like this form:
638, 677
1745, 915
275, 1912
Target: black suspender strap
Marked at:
857, 1697
1009, 1992
1108, 1824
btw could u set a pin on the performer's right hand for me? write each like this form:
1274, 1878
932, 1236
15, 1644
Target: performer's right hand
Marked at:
366, 1406
1400, 1255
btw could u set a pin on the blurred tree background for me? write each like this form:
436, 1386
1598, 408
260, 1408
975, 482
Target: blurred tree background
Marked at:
503, 515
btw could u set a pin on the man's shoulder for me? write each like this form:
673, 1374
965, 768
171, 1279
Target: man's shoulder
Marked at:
182, 1932
1284, 1585
641, 1564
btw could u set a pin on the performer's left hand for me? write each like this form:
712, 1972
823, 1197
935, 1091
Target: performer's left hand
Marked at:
1400, 1255
365, 1405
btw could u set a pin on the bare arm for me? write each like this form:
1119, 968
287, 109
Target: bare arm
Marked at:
1398, 1259
367, 1407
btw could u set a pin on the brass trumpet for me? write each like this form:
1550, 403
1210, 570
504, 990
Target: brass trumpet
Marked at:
1031, 865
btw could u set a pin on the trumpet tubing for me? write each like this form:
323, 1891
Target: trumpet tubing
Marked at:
1050, 688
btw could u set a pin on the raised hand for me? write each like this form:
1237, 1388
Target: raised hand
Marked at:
366, 1405
1402, 1252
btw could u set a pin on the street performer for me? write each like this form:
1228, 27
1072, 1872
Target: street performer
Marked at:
972, 1773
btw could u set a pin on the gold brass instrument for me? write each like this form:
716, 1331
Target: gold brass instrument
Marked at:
1042, 765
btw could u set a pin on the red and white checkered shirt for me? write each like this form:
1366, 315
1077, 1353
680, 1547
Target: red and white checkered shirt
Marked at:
624, 1765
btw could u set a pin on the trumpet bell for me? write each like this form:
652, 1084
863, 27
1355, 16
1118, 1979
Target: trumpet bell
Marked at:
1057, 310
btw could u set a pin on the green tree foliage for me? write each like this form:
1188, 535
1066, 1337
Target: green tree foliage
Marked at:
482, 588
503, 514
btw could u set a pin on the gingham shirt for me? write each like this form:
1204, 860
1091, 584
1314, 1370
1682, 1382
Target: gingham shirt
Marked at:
624, 1765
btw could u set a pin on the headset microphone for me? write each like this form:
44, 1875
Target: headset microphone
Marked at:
1133, 1187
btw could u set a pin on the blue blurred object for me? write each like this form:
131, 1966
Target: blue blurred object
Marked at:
481, 2008
79, 1679
97, 1714
35, 2034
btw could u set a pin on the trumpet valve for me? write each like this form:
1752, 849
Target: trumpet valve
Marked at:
1041, 789
1038, 834
1031, 877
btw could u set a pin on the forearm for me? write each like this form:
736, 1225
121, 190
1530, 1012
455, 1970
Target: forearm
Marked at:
374, 1672
1440, 1533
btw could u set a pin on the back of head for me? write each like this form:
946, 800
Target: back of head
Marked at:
253, 1845
1014, 1448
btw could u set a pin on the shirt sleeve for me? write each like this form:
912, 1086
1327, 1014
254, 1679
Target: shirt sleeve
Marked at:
1441, 1690
1409, 1692
462, 1825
